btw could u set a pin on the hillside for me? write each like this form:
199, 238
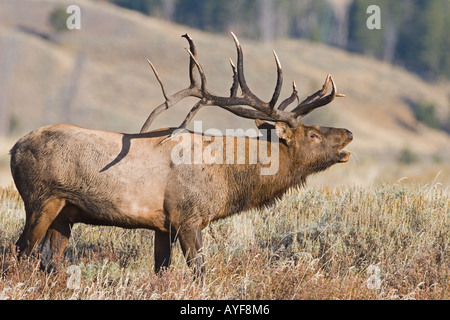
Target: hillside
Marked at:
98, 77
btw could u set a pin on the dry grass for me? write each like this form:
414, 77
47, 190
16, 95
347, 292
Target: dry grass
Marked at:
389, 242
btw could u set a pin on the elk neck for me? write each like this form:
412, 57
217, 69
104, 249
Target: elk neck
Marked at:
247, 188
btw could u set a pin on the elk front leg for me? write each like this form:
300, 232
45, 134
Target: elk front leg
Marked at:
191, 244
163, 249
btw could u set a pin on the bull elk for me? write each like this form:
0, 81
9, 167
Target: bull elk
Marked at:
67, 174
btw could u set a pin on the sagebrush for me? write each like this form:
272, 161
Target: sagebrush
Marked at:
389, 242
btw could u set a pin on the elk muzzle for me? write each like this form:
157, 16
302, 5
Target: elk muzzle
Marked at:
344, 155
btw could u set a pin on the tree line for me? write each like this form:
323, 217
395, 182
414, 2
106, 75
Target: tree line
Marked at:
413, 34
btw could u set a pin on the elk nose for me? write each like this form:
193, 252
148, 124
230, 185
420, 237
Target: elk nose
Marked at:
349, 134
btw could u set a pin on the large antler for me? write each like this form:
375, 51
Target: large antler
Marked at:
235, 104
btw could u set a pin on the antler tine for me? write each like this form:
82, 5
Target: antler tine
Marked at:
240, 65
164, 106
204, 93
192, 49
235, 85
200, 71
319, 93
318, 99
159, 79
276, 93
246, 92
290, 99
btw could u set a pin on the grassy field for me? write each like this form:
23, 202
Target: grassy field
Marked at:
387, 242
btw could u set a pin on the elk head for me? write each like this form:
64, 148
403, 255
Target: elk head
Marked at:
316, 148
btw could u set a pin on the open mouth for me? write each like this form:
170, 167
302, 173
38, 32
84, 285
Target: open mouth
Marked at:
344, 155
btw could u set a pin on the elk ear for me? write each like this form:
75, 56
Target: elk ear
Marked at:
284, 132
259, 122
264, 128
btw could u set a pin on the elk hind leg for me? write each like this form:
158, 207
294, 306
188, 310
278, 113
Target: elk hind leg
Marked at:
57, 238
36, 224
